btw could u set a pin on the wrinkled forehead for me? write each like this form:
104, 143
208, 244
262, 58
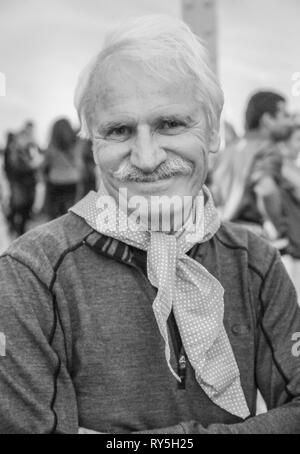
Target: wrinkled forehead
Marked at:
129, 82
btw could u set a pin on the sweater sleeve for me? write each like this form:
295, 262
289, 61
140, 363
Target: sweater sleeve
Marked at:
278, 363
36, 392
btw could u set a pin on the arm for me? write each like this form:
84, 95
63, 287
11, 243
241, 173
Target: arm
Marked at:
36, 393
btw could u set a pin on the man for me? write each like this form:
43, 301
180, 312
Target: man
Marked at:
116, 322
291, 195
253, 183
247, 179
22, 164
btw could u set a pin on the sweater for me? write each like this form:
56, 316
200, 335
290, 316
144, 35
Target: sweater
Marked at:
82, 347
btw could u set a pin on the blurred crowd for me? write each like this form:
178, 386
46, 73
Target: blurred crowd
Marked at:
255, 179
41, 183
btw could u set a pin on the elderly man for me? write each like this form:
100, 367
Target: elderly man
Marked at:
114, 320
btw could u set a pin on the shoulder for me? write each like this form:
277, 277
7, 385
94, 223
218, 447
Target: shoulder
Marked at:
41, 248
233, 238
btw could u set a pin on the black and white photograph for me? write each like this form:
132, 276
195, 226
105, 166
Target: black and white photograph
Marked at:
149, 219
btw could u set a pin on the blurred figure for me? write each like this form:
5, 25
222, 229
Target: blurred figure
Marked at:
296, 118
62, 169
290, 149
292, 143
10, 147
4, 195
22, 160
228, 137
257, 182
28, 133
247, 181
4, 235
88, 180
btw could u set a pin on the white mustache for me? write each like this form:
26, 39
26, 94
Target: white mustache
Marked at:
167, 169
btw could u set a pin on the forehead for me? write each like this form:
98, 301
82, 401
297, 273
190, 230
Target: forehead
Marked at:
130, 89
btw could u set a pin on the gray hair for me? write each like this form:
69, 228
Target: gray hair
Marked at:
165, 46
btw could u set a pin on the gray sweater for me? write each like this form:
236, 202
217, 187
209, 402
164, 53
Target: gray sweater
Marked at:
83, 348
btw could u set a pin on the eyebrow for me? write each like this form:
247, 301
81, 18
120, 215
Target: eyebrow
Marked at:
177, 117
108, 125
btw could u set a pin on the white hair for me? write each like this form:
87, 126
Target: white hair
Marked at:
166, 47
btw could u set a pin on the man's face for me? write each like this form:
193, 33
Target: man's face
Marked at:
150, 135
280, 123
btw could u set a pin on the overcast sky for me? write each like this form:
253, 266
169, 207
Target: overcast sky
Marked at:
44, 44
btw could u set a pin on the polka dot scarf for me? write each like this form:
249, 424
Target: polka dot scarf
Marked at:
185, 286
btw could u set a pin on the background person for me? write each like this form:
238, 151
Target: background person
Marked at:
62, 169
22, 162
290, 149
247, 181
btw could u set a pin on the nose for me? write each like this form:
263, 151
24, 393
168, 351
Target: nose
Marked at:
146, 154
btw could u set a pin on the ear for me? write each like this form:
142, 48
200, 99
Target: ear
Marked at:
214, 142
95, 154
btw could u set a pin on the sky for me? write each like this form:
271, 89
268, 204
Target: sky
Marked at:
45, 44
259, 47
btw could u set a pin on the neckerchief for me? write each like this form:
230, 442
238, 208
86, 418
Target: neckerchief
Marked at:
185, 286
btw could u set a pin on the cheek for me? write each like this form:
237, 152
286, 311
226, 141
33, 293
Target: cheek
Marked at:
188, 146
192, 148
109, 156
197, 152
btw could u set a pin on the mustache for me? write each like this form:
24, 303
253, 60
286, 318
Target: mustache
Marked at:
168, 169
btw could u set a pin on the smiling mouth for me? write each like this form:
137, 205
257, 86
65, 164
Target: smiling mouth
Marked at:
155, 180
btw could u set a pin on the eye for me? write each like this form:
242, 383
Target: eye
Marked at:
122, 132
171, 126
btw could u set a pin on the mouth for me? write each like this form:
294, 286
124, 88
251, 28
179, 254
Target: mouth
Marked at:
154, 185
156, 180
151, 178
160, 182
